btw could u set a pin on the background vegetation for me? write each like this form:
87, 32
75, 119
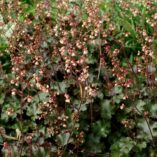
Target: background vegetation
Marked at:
78, 78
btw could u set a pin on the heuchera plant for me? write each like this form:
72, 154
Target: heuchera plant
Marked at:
78, 78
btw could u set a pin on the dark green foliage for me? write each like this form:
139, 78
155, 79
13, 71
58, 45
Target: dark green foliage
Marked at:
78, 78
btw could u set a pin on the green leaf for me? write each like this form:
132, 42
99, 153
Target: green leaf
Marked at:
2, 97
64, 138
145, 131
122, 147
141, 145
106, 109
40, 97
33, 111
101, 128
140, 105
8, 29
3, 44
91, 59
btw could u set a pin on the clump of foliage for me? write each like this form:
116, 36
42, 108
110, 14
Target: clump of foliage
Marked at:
78, 78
